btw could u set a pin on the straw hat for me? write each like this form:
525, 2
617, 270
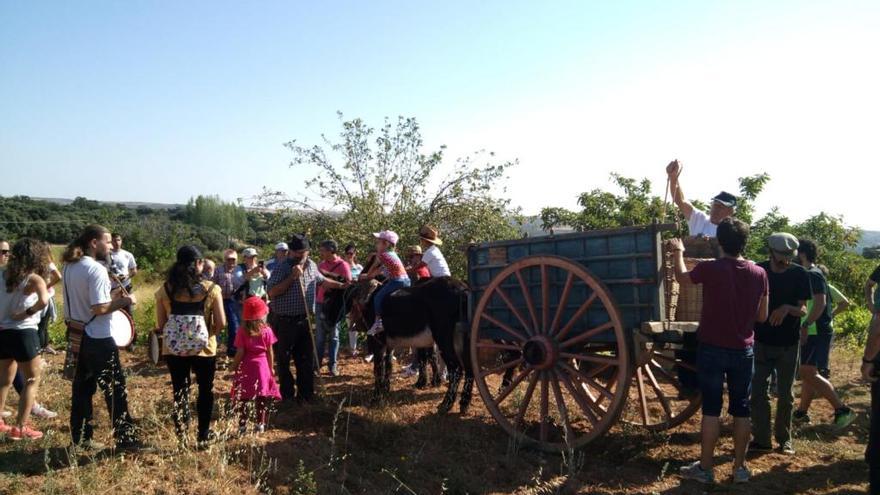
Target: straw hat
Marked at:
430, 234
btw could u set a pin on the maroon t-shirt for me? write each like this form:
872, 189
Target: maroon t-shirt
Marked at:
732, 292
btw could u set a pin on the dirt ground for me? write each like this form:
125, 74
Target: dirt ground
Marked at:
346, 445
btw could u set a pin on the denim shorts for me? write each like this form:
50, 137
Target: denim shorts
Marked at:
714, 364
816, 350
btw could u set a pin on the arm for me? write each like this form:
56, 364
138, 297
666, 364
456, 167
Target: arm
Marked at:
270, 356
53, 278
872, 348
681, 273
116, 304
37, 285
218, 312
764, 309
161, 313
842, 302
132, 272
374, 272
239, 355
819, 303
281, 287
869, 294
673, 170
779, 314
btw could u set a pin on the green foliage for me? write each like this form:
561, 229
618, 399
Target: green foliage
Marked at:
211, 211
373, 179
851, 326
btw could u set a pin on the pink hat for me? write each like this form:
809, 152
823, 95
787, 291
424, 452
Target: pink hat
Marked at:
254, 308
388, 235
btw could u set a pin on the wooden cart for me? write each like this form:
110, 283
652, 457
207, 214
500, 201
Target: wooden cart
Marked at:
568, 335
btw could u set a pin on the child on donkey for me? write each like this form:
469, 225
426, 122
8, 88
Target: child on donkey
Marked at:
254, 386
393, 270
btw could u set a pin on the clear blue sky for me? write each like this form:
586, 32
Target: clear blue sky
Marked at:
160, 101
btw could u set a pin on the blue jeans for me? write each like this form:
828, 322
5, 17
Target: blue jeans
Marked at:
386, 289
325, 328
714, 364
232, 308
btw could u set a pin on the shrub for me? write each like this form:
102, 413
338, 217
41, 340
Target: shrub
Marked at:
851, 326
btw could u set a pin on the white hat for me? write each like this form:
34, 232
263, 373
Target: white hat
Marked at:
247, 253
281, 246
387, 235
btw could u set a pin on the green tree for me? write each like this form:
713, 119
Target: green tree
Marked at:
373, 179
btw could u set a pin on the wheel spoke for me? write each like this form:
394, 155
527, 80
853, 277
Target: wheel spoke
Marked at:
675, 361
643, 404
609, 385
593, 358
530, 390
586, 335
528, 297
498, 346
545, 301
587, 404
505, 327
504, 367
586, 380
522, 321
577, 316
673, 380
545, 406
664, 402
563, 300
513, 384
563, 410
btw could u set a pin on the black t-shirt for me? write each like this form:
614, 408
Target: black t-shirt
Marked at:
788, 287
820, 286
875, 275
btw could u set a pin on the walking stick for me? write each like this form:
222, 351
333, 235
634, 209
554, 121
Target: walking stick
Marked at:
310, 321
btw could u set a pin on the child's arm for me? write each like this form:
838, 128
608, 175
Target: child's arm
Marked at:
239, 355
270, 356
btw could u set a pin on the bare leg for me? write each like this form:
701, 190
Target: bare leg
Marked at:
709, 433
807, 395
820, 386
742, 433
7, 372
31, 371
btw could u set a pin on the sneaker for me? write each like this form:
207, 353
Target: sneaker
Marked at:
787, 448
49, 350
24, 433
334, 371
376, 328
4, 428
757, 447
694, 472
843, 417
741, 475
88, 446
800, 418
369, 358
5, 414
43, 413
261, 428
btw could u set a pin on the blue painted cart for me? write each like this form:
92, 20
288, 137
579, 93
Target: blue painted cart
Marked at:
563, 325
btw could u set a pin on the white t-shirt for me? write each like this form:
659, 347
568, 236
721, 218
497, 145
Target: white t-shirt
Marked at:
122, 264
52, 267
433, 258
14, 302
87, 284
699, 224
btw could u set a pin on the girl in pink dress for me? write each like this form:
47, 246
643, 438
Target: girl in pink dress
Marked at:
254, 386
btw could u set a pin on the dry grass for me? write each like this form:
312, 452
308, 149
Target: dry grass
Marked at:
343, 445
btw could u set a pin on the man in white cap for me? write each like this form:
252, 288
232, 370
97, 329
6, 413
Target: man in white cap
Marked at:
700, 224
280, 255
430, 242
777, 343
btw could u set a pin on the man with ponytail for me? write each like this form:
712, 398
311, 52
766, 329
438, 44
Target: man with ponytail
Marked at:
87, 310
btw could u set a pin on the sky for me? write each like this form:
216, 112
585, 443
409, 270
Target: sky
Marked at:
160, 101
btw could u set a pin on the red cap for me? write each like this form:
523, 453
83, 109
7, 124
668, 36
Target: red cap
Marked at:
254, 309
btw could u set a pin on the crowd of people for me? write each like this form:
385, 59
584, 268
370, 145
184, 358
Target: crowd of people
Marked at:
762, 326
264, 310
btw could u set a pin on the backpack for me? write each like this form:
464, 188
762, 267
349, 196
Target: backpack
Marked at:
186, 331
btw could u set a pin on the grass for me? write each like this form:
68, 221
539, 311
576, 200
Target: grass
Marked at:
344, 445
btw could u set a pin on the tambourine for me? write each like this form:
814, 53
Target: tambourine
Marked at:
154, 349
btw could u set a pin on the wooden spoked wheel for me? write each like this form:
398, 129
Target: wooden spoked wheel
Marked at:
549, 353
657, 401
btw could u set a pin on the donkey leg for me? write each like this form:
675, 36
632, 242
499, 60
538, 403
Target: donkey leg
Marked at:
437, 378
389, 363
422, 382
451, 391
467, 393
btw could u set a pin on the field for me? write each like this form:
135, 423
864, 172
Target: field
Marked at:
346, 445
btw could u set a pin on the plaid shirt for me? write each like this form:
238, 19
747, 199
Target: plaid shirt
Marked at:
228, 280
291, 302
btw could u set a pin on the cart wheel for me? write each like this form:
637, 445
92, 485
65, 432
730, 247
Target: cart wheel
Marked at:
657, 399
557, 377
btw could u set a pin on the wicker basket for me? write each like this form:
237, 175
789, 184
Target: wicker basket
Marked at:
684, 301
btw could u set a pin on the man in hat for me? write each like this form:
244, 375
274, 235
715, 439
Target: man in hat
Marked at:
700, 224
280, 256
292, 288
430, 242
777, 343
230, 276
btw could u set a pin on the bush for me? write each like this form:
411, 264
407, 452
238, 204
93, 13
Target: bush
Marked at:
851, 326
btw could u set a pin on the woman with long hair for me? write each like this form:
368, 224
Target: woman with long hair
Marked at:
23, 295
189, 310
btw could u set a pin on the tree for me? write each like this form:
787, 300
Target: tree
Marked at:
211, 211
373, 179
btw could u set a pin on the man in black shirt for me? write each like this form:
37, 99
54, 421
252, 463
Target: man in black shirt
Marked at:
816, 335
777, 343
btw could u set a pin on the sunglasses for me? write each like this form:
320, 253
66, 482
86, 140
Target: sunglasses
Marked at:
4, 252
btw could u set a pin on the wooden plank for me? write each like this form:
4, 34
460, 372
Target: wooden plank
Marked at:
660, 326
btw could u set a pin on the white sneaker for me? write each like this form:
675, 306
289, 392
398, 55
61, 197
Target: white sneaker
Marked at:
42, 413
5, 414
741, 475
694, 472
261, 428
376, 328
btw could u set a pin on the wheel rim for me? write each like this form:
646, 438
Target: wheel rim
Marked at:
657, 400
563, 347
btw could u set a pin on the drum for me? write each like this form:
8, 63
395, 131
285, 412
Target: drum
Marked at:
155, 347
121, 328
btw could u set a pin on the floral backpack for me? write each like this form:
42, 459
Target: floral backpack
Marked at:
186, 331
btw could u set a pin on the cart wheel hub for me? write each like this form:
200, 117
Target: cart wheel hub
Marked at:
540, 352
